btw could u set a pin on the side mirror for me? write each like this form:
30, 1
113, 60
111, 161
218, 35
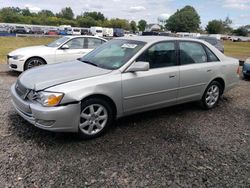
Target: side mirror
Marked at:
65, 47
138, 66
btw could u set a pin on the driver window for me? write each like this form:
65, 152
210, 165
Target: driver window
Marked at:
76, 43
162, 54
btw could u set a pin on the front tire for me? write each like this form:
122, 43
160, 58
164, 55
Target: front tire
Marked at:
211, 95
33, 62
95, 118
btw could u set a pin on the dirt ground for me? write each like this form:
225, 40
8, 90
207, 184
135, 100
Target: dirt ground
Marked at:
182, 146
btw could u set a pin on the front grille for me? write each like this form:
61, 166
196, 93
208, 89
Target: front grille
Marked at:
248, 72
21, 90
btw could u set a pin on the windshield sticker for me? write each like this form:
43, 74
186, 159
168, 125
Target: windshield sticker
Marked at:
132, 46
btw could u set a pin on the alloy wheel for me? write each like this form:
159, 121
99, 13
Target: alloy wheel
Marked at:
93, 119
212, 95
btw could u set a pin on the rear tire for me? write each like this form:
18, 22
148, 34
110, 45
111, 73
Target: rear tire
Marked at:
211, 95
96, 117
33, 62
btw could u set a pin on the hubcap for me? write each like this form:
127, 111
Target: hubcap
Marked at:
34, 63
93, 119
212, 95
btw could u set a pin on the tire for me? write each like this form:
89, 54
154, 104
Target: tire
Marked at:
211, 95
96, 117
33, 62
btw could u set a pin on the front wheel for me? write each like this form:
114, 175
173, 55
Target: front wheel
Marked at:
95, 118
33, 62
211, 95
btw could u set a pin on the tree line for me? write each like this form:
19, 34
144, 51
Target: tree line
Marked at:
184, 20
66, 17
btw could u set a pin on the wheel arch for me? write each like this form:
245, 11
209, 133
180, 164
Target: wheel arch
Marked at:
33, 57
221, 81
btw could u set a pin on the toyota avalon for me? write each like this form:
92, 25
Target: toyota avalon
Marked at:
122, 77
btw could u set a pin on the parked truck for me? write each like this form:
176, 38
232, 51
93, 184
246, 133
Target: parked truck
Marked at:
97, 31
118, 32
108, 32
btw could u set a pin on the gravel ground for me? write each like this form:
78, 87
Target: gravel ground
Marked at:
182, 146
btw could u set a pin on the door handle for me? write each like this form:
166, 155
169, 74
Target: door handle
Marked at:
172, 76
209, 70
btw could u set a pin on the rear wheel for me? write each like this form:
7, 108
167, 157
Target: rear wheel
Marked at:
211, 95
33, 62
95, 118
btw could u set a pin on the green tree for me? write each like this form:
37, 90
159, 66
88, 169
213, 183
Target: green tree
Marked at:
95, 15
46, 13
184, 20
215, 27
142, 25
66, 13
241, 31
133, 26
26, 12
85, 21
227, 26
119, 23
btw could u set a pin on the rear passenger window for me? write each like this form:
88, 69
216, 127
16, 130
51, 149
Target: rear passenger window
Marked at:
160, 55
94, 43
192, 52
211, 56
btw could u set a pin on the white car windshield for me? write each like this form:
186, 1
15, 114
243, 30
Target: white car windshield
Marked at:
57, 42
113, 54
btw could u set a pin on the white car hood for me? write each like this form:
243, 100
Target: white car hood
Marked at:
31, 50
47, 76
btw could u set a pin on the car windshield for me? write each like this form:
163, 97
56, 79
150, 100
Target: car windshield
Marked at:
113, 54
58, 42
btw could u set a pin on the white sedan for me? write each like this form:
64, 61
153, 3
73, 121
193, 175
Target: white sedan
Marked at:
67, 48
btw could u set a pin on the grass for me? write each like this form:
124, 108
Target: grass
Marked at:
240, 50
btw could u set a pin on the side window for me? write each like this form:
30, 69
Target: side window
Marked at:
160, 55
211, 56
192, 52
76, 43
94, 43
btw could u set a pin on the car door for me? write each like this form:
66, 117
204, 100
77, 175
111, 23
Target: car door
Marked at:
75, 50
156, 87
196, 70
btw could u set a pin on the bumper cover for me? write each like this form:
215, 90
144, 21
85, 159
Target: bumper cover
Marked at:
63, 118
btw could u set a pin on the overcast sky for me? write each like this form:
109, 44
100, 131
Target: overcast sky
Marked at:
237, 10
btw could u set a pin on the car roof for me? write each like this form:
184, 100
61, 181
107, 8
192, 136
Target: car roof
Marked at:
153, 39
206, 37
84, 36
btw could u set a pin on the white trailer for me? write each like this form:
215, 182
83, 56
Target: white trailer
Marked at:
108, 32
97, 31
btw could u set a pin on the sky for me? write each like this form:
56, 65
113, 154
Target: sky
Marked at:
151, 11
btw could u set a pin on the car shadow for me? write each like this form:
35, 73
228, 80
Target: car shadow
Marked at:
127, 128
13, 73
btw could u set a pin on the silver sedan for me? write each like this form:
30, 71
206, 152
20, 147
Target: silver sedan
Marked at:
122, 77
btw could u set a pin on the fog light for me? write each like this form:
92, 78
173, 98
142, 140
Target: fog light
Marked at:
46, 123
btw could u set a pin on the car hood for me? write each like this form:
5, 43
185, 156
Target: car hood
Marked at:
30, 50
47, 76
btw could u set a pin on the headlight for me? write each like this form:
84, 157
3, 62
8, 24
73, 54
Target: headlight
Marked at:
49, 98
16, 57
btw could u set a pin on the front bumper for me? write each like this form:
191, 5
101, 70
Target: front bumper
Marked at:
58, 119
16, 65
